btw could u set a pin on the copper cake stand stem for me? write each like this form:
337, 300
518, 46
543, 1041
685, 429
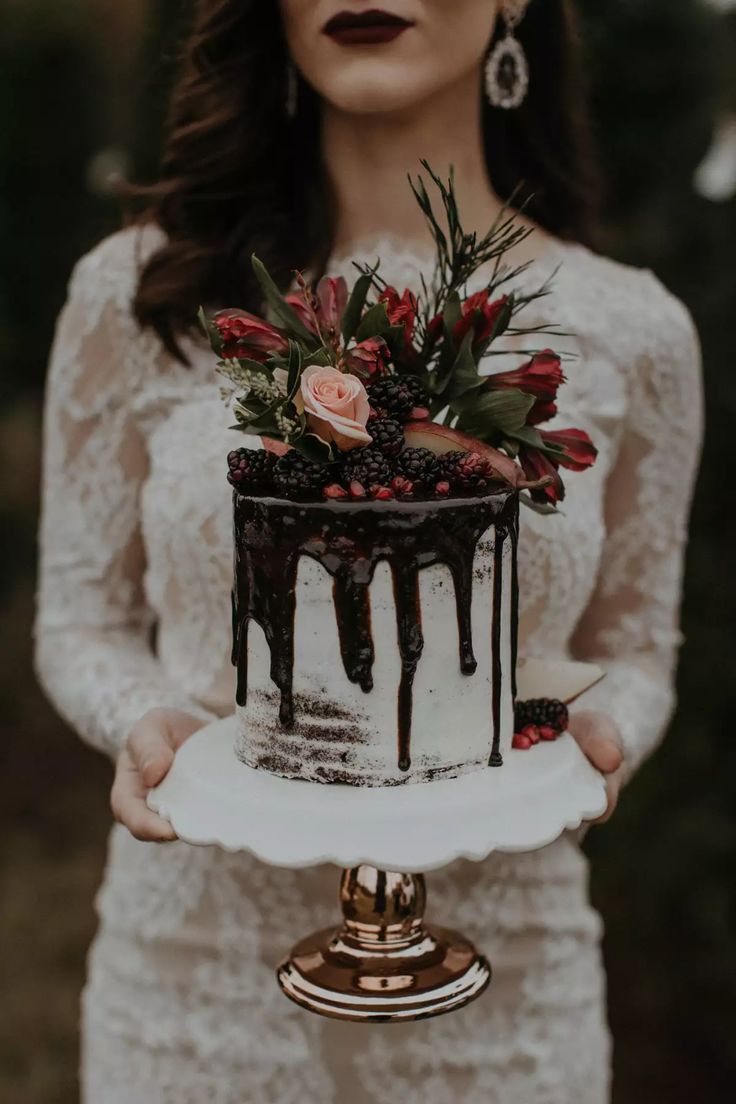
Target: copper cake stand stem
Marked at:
383, 964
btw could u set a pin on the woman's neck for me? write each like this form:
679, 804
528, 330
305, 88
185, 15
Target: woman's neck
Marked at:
368, 158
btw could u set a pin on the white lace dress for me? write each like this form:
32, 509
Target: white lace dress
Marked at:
181, 1006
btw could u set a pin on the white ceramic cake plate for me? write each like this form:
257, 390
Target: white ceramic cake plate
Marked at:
384, 963
210, 797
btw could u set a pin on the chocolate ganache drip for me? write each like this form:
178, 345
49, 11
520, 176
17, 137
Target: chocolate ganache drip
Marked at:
349, 540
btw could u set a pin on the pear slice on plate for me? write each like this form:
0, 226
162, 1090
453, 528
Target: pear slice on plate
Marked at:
560, 679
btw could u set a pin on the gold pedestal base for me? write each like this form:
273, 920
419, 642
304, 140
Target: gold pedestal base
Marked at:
383, 964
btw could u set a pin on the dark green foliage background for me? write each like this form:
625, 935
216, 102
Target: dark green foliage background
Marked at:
663, 870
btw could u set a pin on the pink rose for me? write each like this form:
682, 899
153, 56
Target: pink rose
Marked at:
336, 405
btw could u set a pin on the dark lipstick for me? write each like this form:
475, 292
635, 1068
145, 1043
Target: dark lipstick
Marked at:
368, 28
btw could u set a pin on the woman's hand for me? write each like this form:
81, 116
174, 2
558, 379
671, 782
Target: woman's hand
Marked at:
600, 740
144, 761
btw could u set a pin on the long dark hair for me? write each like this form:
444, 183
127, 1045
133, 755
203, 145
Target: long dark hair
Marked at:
239, 176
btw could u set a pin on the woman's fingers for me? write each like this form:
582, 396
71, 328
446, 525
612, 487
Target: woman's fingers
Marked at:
150, 751
599, 739
155, 738
128, 802
143, 763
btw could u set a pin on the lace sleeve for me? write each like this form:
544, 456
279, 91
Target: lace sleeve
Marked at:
631, 626
93, 629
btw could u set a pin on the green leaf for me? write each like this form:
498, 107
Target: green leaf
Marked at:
314, 448
283, 314
355, 305
500, 411
211, 332
295, 370
374, 323
545, 508
320, 357
452, 313
463, 376
531, 436
528, 435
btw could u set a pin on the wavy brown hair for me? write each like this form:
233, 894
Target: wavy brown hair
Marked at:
238, 176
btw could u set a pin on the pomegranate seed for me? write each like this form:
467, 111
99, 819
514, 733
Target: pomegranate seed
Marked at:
357, 490
443, 487
401, 486
521, 742
548, 733
532, 732
382, 493
335, 491
419, 414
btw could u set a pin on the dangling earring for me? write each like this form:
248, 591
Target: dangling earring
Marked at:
507, 70
292, 90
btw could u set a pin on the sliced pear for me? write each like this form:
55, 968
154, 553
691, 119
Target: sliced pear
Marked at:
561, 679
440, 439
278, 448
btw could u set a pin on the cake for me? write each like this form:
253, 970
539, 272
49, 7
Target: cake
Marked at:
375, 641
375, 599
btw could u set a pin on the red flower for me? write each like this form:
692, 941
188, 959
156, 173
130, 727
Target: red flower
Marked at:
298, 304
329, 305
580, 452
332, 295
537, 465
368, 358
540, 376
480, 316
401, 310
244, 335
541, 412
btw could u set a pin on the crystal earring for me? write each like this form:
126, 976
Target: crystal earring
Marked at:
507, 70
292, 90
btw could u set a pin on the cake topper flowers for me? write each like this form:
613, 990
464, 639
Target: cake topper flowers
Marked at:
385, 393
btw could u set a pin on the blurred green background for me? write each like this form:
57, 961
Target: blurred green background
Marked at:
82, 86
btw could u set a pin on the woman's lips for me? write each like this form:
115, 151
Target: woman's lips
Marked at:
365, 28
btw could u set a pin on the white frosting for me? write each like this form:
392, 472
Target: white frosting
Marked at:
341, 733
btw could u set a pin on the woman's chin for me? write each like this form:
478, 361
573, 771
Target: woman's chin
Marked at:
383, 92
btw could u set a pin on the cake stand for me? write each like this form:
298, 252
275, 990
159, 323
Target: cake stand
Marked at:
384, 963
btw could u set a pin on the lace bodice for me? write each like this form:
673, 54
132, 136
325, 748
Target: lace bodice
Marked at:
133, 612
136, 530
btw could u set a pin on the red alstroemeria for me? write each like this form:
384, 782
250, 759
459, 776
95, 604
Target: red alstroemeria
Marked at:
541, 412
401, 310
328, 305
480, 316
579, 451
368, 358
540, 376
244, 335
332, 296
537, 465
306, 315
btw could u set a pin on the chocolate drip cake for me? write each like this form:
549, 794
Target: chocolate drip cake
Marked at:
375, 641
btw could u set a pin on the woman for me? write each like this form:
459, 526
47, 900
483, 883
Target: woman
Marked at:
292, 129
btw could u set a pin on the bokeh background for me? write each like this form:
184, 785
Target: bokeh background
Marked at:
82, 92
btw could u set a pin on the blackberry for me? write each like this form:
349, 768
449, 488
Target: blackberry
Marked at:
368, 466
295, 476
398, 396
420, 466
467, 472
387, 434
541, 712
250, 471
